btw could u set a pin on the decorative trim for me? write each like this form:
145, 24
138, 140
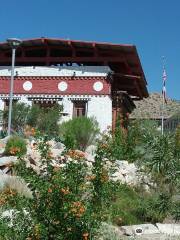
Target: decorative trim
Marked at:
6, 96
98, 86
62, 86
79, 99
27, 86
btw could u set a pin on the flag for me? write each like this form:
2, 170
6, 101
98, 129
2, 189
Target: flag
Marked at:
164, 77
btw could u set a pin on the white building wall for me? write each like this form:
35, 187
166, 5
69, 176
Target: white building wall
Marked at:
25, 101
67, 109
100, 107
1, 105
1, 108
56, 71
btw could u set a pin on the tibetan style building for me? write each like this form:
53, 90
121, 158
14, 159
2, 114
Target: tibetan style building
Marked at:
88, 78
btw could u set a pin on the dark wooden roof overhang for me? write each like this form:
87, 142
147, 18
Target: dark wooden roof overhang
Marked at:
123, 60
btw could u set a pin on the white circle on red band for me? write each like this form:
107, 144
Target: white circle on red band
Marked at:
62, 86
27, 86
98, 86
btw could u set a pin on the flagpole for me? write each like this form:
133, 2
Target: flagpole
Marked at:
162, 120
163, 95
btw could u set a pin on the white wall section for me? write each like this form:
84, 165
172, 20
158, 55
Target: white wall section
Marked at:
56, 71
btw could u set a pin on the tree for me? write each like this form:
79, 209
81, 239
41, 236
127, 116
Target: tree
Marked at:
44, 120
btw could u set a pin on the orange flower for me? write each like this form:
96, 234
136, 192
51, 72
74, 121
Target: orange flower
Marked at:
2, 201
10, 192
85, 236
49, 190
56, 169
14, 150
56, 222
65, 191
104, 145
33, 132
76, 154
104, 176
82, 210
90, 178
78, 209
50, 154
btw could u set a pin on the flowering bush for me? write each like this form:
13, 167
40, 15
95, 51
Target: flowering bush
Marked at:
68, 197
15, 146
29, 131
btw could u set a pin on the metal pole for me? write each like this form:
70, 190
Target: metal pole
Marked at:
162, 121
163, 94
11, 91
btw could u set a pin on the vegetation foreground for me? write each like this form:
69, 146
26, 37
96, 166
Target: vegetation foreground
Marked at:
68, 198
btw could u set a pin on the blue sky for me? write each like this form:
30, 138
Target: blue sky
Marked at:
152, 25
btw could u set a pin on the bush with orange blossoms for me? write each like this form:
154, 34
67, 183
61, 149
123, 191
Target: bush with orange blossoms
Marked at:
29, 131
68, 201
76, 154
16, 146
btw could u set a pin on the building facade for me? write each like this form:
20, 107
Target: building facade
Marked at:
90, 79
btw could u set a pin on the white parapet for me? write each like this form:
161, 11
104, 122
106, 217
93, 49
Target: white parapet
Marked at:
56, 71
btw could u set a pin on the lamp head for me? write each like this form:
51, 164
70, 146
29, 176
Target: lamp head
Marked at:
14, 42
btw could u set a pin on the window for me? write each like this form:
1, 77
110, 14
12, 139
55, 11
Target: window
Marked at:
45, 103
6, 103
79, 108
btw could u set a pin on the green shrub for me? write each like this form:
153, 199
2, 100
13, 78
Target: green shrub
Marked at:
16, 146
177, 139
126, 144
123, 207
44, 120
160, 160
154, 207
79, 132
3, 134
20, 112
133, 206
175, 212
68, 201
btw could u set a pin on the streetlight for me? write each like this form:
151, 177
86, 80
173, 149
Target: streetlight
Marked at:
13, 43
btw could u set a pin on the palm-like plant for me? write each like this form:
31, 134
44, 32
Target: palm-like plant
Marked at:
162, 162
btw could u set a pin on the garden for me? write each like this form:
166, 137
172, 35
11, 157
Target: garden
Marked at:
68, 180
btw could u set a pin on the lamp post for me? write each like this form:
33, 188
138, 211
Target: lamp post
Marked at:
14, 43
